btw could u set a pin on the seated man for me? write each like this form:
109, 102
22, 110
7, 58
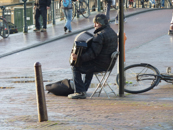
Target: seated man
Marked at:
97, 58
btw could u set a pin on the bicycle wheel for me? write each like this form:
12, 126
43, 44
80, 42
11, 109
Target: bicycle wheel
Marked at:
4, 28
139, 78
73, 10
84, 9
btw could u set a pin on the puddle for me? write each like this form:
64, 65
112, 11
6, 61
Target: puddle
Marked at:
168, 99
6, 87
29, 81
23, 79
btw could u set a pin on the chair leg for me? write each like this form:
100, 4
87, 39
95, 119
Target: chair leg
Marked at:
102, 85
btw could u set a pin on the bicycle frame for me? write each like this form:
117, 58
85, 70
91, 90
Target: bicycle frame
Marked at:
78, 8
140, 77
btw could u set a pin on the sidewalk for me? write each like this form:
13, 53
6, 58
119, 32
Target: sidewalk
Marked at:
20, 41
147, 111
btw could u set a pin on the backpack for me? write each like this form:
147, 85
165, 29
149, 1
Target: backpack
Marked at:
66, 3
61, 88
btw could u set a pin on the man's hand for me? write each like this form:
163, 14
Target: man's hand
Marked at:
73, 56
48, 7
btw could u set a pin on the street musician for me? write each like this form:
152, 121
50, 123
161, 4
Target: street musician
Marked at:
96, 58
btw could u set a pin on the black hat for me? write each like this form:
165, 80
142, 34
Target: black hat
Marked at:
101, 19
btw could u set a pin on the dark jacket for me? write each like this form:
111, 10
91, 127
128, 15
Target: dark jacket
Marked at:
103, 45
108, 1
43, 3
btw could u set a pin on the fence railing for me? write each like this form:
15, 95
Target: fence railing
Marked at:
22, 14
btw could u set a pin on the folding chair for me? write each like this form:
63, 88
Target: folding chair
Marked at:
105, 75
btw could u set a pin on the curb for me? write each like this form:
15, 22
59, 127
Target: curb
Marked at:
70, 34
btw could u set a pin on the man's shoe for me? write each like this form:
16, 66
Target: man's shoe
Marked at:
125, 20
36, 30
116, 21
43, 30
80, 95
65, 29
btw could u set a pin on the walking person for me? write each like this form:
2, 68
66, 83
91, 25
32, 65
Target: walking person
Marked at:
152, 3
67, 7
108, 6
97, 58
116, 17
40, 7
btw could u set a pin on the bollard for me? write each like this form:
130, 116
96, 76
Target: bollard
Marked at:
40, 95
171, 27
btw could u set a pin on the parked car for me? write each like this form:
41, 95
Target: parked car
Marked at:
12, 27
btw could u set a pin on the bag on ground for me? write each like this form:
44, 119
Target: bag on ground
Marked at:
61, 88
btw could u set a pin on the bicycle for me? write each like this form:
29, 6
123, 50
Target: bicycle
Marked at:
83, 9
4, 28
158, 3
143, 77
103, 6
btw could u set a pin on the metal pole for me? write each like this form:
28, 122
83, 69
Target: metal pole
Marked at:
3, 16
41, 102
121, 47
25, 29
78, 7
88, 7
98, 6
53, 12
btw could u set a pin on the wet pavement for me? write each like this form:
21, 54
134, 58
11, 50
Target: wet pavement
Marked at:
147, 42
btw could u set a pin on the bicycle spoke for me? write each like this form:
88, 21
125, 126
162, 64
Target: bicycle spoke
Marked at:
135, 84
84, 9
139, 78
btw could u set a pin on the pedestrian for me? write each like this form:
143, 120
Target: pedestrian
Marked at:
40, 7
67, 8
108, 6
152, 3
116, 18
97, 58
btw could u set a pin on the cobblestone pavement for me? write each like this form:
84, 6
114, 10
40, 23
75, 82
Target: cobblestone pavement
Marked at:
148, 111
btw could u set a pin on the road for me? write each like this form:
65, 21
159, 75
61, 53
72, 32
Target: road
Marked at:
140, 29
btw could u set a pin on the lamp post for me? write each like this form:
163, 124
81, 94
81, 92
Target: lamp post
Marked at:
25, 29
121, 47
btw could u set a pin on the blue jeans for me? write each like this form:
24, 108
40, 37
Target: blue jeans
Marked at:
68, 15
152, 2
163, 1
116, 17
88, 69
